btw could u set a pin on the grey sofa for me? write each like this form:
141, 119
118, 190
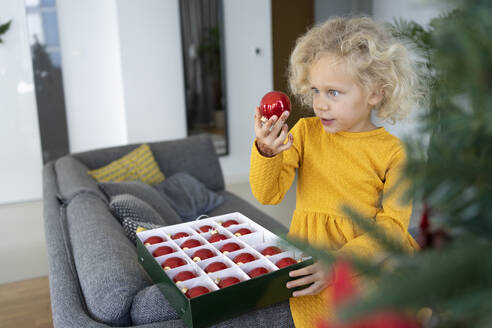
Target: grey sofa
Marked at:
94, 275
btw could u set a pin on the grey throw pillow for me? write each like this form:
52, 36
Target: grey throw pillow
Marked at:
129, 206
144, 192
188, 196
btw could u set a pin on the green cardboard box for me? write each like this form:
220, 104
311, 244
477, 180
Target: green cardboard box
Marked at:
219, 304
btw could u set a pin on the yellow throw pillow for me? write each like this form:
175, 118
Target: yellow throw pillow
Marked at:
140, 229
138, 164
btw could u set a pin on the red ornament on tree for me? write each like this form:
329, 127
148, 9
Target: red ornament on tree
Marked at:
345, 290
428, 238
424, 238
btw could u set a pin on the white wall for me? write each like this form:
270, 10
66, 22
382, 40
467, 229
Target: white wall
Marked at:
20, 146
152, 66
249, 77
92, 76
122, 71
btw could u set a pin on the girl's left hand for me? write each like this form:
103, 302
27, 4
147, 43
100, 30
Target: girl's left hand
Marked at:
315, 273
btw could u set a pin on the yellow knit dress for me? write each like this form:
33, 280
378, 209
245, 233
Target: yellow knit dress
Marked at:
353, 168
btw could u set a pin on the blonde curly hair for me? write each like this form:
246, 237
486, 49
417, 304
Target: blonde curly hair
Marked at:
376, 58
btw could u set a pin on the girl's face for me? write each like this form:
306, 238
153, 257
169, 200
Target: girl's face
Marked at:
339, 102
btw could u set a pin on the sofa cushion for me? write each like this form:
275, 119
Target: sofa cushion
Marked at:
144, 192
132, 226
105, 259
150, 305
129, 206
73, 179
138, 164
188, 196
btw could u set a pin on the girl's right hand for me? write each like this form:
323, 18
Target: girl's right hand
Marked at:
270, 136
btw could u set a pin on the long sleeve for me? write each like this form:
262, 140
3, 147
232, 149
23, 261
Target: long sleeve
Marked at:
271, 177
393, 218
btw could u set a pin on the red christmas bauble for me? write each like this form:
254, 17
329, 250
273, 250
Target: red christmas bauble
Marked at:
271, 250
226, 282
242, 232
163, 250
217, 237
173, 262
229, 223
286, 261
215, 266
180, 235
184, 275
274, 103
230, 247
257, 272
190, 243
204, 228
153, 240
202, 254
244, 258
196, 291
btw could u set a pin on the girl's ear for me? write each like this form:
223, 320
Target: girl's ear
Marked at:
376, 96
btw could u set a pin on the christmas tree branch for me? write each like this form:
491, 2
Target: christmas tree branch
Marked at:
4, 28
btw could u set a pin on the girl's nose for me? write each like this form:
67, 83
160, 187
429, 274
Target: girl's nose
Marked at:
320, 104
322, 107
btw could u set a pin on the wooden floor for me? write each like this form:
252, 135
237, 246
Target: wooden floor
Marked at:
25, 304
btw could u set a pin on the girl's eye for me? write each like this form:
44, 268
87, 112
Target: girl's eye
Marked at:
334, 93
314, 90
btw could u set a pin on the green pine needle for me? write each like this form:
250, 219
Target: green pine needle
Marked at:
4, 28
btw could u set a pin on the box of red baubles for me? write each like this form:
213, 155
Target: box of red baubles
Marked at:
219, 267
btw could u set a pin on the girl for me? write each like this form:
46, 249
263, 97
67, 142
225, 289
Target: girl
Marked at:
345, 69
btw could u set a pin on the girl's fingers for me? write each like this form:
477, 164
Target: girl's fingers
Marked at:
281, 138
303, 271
273, 132
301, 281
287, 145
285, 115
280, 123
267, 127
257, 119
311, 290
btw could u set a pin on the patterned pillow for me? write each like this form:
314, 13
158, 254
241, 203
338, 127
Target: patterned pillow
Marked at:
138, 164
132, 226
129, 206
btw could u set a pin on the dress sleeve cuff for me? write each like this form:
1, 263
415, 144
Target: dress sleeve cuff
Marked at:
264, 164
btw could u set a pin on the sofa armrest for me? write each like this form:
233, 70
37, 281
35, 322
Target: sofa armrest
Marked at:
67, 300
